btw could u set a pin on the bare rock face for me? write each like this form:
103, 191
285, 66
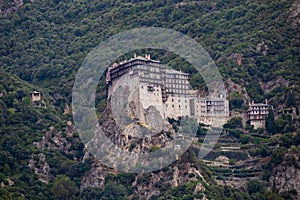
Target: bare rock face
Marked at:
294, 14
122, 140
273, 84
153, 118
236, 57
120, 123
151, 184
40, 166
171, 177
9, 6
233, 87
286, 177
95, 177
57, 139
53, 139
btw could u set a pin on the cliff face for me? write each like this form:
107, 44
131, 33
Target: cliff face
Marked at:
286, 177
130, 131
121, 123
128, 140
95, 177
147, 185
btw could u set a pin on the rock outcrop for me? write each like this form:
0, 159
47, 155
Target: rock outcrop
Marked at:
124, 142
8, 7
40, 167
58, 139
95, 177
234, 87
286, 176
294, 14
273, 84
150, 184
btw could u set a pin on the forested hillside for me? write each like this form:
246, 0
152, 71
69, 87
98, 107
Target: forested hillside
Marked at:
255, 44
45, 42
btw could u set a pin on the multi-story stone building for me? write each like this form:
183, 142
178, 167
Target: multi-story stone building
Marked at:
257, 114
167, 90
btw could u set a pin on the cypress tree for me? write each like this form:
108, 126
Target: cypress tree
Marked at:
291, 100
270, 122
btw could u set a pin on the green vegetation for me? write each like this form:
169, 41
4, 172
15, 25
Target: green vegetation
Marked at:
43, 44
234, 123
270, 123
22, 123
235, 100
64, 188
54, 37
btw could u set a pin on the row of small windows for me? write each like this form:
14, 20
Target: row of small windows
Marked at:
257, 117
215, 102
118, 73
177, 81
260, 108
175, 91
177, 86
152, 69
177, 76
153, 76
174, 106
179, 100
259, 112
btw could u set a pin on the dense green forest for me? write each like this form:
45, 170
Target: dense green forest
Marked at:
43, 44
46, 42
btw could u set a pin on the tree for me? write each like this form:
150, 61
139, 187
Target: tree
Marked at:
64, 188
114, 191
270, 122
235, 100
235, 122
291, 100
254, 186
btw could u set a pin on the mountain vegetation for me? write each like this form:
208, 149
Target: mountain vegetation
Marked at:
255, 44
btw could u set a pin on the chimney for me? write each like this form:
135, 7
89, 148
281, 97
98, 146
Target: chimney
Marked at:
266, 101
134, 55
147, 56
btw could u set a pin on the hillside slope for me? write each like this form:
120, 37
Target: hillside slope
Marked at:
45, 42
255, 44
